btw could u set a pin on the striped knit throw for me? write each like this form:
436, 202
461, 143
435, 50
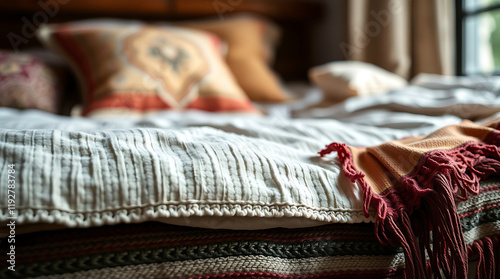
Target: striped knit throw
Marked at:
413, 185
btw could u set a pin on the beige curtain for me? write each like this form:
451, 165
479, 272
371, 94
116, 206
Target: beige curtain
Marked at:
406, 37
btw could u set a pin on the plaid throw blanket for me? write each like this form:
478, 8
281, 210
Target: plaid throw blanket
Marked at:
414, 184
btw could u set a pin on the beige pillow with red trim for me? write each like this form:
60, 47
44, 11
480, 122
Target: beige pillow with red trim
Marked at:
130, 68
251, 41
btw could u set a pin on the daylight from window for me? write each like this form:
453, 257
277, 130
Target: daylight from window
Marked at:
482, 36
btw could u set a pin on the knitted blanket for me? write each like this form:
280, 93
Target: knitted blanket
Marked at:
157, 250
414, 184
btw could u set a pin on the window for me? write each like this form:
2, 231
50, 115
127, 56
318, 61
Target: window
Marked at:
478, 37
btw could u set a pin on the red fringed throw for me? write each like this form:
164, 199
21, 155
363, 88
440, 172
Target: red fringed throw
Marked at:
413, 184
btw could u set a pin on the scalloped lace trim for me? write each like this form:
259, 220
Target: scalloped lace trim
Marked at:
152, 213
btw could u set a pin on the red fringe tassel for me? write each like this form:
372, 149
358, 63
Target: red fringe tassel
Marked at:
428, 195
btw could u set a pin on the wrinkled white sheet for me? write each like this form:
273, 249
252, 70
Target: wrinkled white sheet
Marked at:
212, 170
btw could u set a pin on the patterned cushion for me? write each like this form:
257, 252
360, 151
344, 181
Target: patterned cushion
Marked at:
251, 41
130, 68
29, 81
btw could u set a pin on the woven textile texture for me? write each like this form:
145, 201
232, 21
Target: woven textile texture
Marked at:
156, 250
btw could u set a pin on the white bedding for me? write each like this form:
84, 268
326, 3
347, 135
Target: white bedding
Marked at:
212, 170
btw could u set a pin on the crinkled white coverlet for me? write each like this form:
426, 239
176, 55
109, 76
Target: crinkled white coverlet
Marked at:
106, 175
200, 169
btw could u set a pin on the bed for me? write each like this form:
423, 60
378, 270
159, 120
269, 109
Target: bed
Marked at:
233, 169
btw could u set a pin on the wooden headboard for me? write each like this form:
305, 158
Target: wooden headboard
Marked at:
20, 18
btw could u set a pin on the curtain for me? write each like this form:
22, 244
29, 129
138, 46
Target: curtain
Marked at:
406, 37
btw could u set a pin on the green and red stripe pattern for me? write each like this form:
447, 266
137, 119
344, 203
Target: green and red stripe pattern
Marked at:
157, 250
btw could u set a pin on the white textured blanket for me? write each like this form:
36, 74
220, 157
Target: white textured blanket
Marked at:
191, 168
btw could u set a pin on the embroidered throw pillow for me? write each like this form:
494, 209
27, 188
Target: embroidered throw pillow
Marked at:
251, 41
130, 68
30, 81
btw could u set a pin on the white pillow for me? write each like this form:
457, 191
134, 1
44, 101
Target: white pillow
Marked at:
343, 79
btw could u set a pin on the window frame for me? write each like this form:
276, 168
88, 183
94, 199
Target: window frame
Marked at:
460, 15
